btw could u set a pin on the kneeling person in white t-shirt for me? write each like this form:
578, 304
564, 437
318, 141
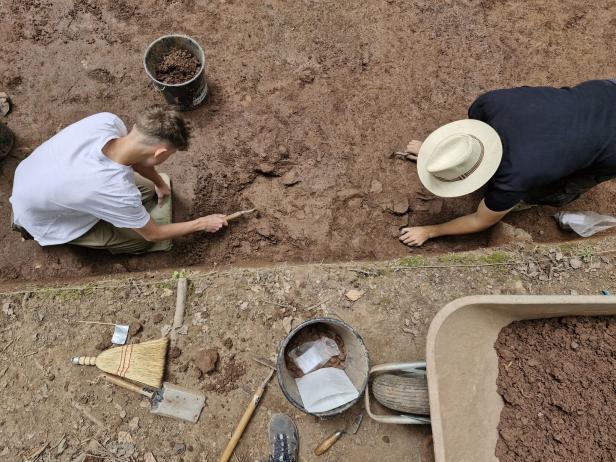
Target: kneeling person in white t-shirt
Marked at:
94, 184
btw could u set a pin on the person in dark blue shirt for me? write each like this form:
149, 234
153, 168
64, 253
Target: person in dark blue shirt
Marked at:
556, 143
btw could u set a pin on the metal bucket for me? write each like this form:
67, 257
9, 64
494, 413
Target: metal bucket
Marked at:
356, 363
186, 95
7, 140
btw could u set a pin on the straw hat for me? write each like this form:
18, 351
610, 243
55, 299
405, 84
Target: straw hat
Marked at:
459, 158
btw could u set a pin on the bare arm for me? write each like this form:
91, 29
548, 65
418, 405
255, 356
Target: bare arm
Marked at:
481, 219
153, 232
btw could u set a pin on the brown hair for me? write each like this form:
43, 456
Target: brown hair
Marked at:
165, 125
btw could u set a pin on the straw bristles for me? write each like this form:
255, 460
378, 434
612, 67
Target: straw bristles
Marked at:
141, 362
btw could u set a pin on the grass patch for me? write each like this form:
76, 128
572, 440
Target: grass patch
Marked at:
495, 257
412, 261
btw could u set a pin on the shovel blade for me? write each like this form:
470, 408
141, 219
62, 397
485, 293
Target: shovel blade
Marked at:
178, 402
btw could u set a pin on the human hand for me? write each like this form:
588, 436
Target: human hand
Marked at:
211, 223
415, 236
162, 192
413, 147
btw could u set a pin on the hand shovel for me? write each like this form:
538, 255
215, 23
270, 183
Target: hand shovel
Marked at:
170, 400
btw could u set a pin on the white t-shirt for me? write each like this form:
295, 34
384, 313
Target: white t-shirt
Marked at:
67, 184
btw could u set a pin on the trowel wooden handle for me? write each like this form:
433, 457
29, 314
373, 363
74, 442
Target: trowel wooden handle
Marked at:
328, 443
127, 385
236, 215
84, 360
239, 430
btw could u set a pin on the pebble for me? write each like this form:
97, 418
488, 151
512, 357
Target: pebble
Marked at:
575, 263
376, 186
287, 324
290, 178
179, 448
265, 168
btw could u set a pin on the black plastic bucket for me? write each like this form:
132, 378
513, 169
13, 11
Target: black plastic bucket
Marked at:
186, 95
6, 140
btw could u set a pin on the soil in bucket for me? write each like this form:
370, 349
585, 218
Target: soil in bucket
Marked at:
176, 66
556, 377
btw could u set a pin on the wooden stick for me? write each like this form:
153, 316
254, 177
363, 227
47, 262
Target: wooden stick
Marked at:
239, 430
97, 322
128, 386
236, 215
180, 303
87, 415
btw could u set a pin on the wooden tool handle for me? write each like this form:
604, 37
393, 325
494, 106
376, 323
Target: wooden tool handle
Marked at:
239, 430
127, 385
84, 360
328, 443
236, 215
180, 303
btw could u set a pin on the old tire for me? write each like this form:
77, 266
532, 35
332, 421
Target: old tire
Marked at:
406, 393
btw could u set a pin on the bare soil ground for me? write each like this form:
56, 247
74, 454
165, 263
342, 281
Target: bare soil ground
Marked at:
242, 313
319, 91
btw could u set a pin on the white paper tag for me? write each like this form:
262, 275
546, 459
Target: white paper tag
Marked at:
325, 389
120, 334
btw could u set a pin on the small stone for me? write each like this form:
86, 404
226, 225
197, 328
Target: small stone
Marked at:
287, 324
266, 168
133, 425
7, 308
376, 186
135, 327
228, 343
174, 352
575, 263
157, 317
179, 448
5, 104
122, 414
264, 229
573, 292
574, 345
399, 205
385, 439
290, 178
354, 295
206, 360
149, 457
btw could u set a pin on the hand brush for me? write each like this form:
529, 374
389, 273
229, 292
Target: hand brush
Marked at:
141, 362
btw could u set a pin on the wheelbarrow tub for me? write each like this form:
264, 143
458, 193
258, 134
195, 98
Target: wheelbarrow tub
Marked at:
462, 365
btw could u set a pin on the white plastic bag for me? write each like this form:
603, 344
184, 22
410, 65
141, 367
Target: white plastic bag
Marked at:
585, 223
312, 355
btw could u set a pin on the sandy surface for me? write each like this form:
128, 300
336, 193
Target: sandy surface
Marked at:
323, 91
242, 313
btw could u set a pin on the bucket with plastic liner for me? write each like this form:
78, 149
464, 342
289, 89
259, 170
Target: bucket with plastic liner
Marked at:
322, 366
175, 64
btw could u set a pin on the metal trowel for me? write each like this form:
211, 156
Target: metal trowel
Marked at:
170, 400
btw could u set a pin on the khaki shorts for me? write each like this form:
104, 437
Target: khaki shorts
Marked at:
104, 235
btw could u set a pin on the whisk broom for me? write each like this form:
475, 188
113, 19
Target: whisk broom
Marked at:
141, 362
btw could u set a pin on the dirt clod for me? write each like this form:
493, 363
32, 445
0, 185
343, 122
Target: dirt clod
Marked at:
558, 397
157, 317
177, 66
135, 327
206, 360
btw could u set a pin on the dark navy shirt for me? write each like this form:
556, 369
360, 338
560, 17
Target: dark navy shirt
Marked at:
548, 134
